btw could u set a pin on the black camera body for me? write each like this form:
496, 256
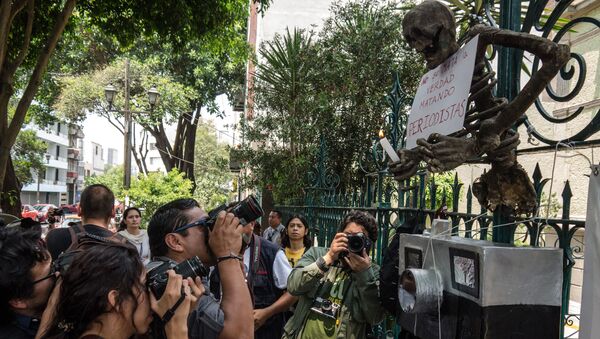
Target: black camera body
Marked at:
246, 211
157, 277
325, 307
358, 242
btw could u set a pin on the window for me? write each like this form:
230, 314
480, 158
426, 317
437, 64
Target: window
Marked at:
96, 149
56, 175
58, 128
57, 151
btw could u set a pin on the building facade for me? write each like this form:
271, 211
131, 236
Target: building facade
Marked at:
50, 187
75, 170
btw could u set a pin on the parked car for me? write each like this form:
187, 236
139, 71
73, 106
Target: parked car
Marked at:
27, 211
70, 218
70, 209
42, 210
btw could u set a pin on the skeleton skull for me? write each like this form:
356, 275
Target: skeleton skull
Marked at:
429, 28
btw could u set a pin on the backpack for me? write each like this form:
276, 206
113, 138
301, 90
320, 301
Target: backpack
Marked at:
80, 241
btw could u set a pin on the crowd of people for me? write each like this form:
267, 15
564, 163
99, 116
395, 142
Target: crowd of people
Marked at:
189, 274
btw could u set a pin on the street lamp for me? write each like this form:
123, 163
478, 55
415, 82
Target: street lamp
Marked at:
153, 96
110, 92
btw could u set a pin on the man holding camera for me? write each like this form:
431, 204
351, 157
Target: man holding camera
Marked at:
178, 232
338, 287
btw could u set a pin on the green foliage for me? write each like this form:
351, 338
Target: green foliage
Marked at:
333, 85
444, 183
211, 167
31, 30
148, 192
28, 157
113, 179
85, 93
549, 207
157, 189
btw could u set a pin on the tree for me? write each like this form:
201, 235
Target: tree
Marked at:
333, 87
147, 192
156, 189
112, 178
30, 32
208, 68
84, 93
211, 167
28, 157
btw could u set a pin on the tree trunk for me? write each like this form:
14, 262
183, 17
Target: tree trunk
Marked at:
11, 194
9, 134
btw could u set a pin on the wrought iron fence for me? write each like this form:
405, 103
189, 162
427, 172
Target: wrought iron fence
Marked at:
392, 203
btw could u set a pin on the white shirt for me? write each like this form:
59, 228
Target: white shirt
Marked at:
141, 243
281, 268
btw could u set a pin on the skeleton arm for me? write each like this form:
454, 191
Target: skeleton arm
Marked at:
552, 55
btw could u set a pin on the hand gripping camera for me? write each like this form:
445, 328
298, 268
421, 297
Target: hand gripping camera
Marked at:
157, 277
357, 242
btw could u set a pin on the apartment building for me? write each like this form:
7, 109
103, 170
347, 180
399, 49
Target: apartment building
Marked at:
50, 186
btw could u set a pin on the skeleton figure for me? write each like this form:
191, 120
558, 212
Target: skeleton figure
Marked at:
430, 29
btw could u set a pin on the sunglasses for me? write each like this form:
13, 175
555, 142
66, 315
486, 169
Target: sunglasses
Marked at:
198, 223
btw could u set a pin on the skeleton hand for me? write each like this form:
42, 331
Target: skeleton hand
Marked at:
443, 153
407, 166
488, 137
505, 152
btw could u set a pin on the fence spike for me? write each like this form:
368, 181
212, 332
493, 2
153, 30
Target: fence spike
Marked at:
566, 195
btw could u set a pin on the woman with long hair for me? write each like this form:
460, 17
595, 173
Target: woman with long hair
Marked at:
103, 295
129, 227
295, 239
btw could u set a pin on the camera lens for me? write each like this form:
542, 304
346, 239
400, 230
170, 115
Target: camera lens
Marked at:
326, 305
248, 210
191, 268
356, 243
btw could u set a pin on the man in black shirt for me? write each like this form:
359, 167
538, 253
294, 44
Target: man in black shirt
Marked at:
96, 208
26, 280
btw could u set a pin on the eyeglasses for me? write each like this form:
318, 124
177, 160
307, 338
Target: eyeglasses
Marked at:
201, 222
50, 275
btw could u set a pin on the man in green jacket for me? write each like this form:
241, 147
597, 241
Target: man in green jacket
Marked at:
338, 287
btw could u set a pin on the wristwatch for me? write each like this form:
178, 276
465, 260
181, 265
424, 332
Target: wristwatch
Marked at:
322, 265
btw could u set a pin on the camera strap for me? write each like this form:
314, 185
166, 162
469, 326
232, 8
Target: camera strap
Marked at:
346, 287
171, 311
254, 264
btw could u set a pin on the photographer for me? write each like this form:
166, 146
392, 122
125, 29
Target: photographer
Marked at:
338, 287
26, 279
102, 295
178, 232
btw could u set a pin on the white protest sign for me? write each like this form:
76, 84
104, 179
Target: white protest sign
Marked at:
440, 103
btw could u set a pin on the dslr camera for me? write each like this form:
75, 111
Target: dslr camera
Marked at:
325, 307
157, 277
358, 242
246, 210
